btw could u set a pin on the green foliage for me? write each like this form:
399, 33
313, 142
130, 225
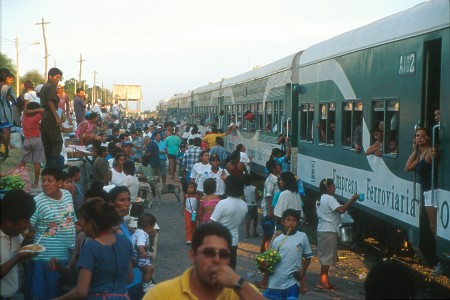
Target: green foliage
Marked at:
34, 76
6, 62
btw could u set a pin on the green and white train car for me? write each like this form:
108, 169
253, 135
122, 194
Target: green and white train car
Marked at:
179, 107
393, 71
265, 92
205, 102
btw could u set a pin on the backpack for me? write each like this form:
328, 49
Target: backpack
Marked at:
20, 102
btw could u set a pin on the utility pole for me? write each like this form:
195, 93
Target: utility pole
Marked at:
45, 45
103, 94
94, 92
79, 74
17, 67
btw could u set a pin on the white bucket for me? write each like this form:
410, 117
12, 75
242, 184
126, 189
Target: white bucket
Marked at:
16, 140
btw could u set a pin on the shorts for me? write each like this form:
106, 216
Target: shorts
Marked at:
427, 199
143, 261
5, 125
170, 156
327, 248
291, 293
163, 167
33, 150
252, 213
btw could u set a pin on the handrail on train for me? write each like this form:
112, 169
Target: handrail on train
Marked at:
287, 126
282, 119
438, 126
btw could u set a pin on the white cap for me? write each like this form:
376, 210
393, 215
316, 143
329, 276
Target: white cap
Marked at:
61, 84
38, 88
98, 100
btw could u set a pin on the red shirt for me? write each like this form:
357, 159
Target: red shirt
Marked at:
30, 125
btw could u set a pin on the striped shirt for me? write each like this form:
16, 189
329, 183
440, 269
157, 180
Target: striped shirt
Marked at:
54, 220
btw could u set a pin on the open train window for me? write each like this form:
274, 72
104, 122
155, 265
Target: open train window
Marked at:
352, 120
244, 120
268, 119
326, 123
228, 114
260, 116
275, 126
281, 120
385, 118
306, 122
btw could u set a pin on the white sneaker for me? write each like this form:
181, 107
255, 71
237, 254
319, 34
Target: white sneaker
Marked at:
437, 270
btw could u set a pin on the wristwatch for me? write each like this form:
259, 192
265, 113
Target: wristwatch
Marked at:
238, 285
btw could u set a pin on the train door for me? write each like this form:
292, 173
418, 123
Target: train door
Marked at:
221, 109
431, 94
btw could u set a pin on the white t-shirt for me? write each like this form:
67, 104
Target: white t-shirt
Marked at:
329, 220
139, 238
133, 185
117, 178
246, 160
287, 200
97, 108
270, 188
31, 97
292, 249
193, 136
198, 170
220, 184
249, 193
230, 212
10, 282
115, 109
191, 204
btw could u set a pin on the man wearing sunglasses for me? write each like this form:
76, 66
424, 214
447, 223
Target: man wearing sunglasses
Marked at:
210, 277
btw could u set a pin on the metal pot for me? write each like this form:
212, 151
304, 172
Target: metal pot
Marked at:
345, 234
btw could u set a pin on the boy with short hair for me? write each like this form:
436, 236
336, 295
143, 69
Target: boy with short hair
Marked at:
33, 149
141, 247
292, 245
17, 207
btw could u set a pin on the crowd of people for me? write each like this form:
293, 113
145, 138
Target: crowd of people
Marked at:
112, 260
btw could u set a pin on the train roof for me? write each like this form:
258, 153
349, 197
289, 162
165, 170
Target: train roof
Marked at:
272, 68
422, 18
207, 88
181, 95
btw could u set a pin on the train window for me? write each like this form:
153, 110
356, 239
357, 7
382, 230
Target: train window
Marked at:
260, 116
386, 119
281, 120
228, 114
352, 118
268, 118
307, 122
326, 124
244, 120
251, 113
239, 115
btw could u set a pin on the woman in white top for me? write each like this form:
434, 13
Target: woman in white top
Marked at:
201, 167
117, 170
329, 211
289, 198
130, 181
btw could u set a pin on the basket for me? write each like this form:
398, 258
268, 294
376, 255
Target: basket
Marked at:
67, 129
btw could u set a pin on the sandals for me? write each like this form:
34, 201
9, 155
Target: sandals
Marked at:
304, 292
319, 288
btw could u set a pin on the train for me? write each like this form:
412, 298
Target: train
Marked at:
327, 98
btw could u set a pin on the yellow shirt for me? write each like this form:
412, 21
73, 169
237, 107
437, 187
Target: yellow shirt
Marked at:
210, 139
178, 288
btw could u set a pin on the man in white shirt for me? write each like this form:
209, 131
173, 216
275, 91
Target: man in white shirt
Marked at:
231, 212
97, 107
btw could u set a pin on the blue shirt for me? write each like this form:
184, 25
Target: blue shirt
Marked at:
284, 163
109, 265
162, 147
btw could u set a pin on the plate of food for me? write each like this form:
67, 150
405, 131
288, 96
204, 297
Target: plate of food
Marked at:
33, 248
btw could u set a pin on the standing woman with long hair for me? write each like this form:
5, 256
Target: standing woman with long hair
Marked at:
105, 266
329, 212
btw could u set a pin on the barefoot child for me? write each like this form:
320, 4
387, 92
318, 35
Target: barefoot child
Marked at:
292, 245
208, 201
32, 150
189, 210
141, 247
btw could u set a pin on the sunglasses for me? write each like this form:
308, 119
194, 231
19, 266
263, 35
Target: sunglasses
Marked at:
211, 253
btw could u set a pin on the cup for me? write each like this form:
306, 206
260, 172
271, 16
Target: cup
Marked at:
361, 197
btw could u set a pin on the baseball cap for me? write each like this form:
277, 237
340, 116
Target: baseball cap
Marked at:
214, 156
98, 100
127, 143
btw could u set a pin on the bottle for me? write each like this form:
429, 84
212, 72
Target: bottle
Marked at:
194, 216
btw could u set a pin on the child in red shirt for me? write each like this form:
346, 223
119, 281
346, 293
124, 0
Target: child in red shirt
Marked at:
32, 149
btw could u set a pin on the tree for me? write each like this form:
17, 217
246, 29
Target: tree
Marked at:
34, 76
6, 62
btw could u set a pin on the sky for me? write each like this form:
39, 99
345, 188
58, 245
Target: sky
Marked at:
172, 46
